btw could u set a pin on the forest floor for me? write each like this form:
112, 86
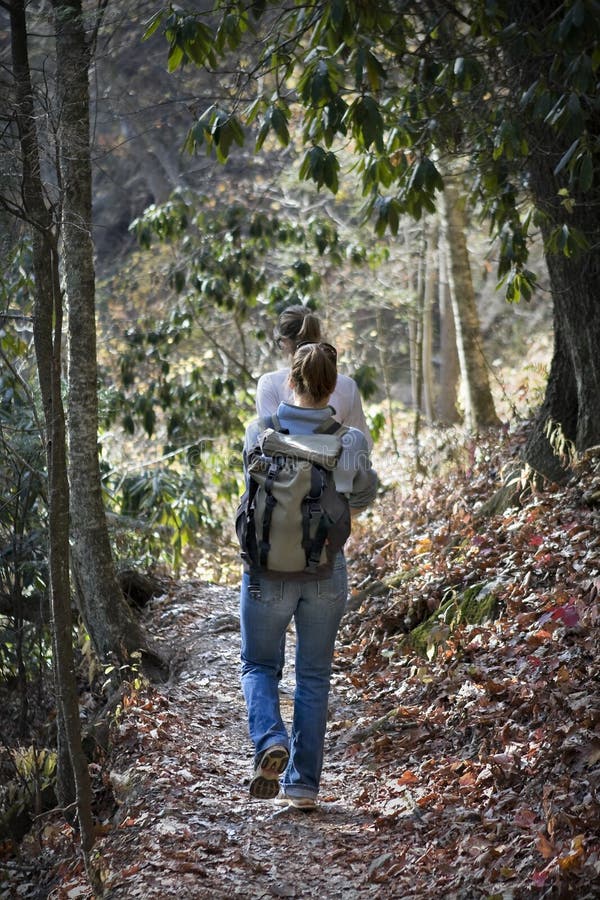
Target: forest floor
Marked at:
465, 767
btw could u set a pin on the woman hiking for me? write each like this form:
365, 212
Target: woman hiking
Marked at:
315, 603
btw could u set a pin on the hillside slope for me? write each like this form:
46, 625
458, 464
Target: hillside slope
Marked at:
467, 770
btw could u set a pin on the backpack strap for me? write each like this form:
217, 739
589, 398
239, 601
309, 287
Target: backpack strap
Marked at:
311, 506
272, 422
254, 583
315, 548
270, 502
331, 426
314, 557
306, 541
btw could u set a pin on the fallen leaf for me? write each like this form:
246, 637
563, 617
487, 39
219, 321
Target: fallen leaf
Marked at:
540, 878
567, 614
525, 818
130, 870
545, 847
408, 777
575, 856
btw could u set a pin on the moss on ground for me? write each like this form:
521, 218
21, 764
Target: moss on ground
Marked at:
473, 606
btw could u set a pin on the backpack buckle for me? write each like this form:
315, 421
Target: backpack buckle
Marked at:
254, 586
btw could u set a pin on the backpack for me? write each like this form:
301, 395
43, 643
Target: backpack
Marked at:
291, 520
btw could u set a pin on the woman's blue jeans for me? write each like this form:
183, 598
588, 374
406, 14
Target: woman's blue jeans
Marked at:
317, 608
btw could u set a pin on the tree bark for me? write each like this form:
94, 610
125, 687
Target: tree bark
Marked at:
431, 283
479, 409
571, 406
572, 400
113, 630
73, 777
384, 363
417, 352
447, 411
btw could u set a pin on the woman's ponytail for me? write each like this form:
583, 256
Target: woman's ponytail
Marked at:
314, 371
299, 324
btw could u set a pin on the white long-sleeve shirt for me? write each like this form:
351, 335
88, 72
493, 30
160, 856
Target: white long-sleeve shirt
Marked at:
274, 388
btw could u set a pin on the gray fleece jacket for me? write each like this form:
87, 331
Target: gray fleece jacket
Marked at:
354, 475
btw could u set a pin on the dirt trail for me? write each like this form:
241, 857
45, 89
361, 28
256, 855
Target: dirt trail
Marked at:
186, 826
475, 780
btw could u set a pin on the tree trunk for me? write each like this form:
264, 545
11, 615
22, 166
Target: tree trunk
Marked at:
73, 777
572, 401
479, 404
431, 271
571, 406
417, 353
113, 630
447, 412
384, 363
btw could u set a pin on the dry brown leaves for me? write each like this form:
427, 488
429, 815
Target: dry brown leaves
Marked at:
471, 774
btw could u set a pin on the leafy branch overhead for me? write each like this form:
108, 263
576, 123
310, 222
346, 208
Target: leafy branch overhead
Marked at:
230, 269
404, 89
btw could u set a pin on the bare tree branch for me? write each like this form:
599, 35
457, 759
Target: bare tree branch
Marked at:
102, 5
